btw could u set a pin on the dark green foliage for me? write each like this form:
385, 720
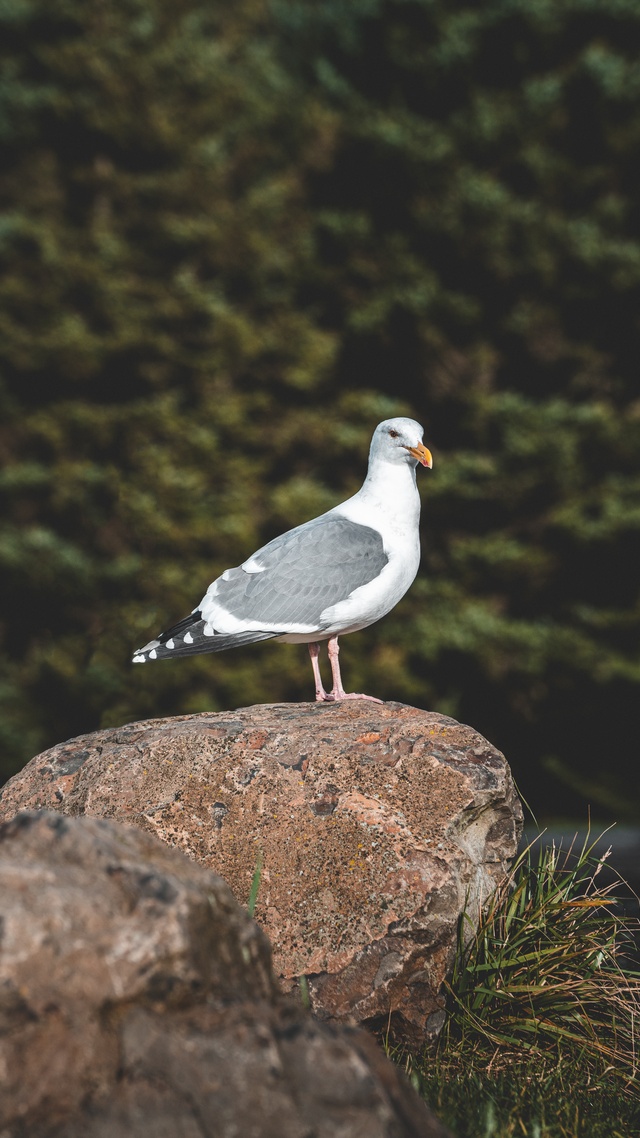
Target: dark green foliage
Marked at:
232, 239
152, 354
481, 252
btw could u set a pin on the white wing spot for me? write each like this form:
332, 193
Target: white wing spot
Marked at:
208, 630
153, 655
188, 638
253, 566
139, 659
170, 644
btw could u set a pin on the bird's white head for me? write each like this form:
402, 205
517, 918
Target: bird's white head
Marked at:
400, 441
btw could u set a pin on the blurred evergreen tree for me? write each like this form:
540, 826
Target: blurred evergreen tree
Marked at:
232, 239
155, 368
478, 237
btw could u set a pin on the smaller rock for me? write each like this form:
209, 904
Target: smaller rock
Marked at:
137, 1001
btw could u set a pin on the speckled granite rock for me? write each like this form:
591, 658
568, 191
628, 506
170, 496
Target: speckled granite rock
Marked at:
376, 825
137, 1001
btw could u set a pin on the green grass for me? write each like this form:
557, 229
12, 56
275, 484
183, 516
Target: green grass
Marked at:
542, 1038
523, 1103
255, 885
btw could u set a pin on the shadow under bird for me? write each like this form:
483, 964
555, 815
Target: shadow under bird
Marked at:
335, 574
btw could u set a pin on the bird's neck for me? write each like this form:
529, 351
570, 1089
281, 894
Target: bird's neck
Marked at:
391, 486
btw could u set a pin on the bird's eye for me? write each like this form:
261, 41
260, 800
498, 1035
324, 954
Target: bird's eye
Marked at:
393, 434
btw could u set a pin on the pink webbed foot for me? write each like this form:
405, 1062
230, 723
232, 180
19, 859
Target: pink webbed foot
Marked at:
333, 695
338, 692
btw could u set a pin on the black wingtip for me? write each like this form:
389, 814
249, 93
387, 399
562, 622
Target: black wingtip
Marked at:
188, 638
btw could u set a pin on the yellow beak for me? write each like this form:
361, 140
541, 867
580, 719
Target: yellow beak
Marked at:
422, 454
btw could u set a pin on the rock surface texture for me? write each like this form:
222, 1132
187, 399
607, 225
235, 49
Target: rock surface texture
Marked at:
375, 826
137, 1001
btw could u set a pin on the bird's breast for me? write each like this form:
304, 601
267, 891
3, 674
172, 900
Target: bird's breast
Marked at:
375, 599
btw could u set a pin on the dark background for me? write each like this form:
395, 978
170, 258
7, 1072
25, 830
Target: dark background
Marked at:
234, 237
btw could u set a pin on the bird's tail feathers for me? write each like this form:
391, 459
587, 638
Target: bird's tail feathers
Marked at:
188, 638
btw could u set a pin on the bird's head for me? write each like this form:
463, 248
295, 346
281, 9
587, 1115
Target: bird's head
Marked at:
400, 440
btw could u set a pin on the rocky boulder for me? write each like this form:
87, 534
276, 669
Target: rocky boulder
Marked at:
137, 1001
375, 826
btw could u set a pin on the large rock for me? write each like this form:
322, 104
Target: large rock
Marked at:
137, 1001
376, 825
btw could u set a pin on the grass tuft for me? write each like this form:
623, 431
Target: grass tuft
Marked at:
546, 972
543, 1002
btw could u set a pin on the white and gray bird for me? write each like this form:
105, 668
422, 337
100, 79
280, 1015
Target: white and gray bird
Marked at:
335, 574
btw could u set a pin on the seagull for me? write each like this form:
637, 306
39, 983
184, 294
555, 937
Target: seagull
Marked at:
335, 574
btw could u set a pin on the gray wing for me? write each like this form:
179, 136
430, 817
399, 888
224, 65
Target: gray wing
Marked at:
303, 572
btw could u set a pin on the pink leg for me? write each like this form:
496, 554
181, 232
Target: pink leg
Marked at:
314, 651
338, 691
